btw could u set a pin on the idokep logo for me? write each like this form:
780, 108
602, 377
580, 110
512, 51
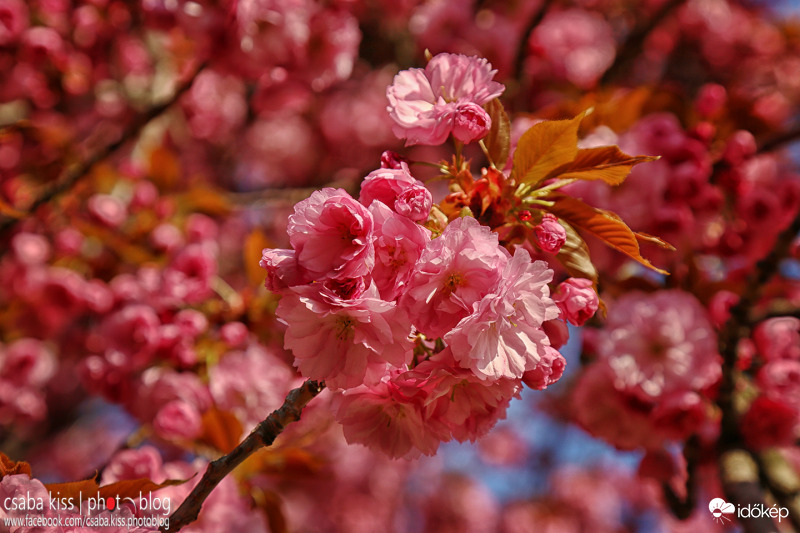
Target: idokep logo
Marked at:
722, 511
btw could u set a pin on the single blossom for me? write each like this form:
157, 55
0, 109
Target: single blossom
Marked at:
389, 416
550, 235
331, 234
659, 343
503, 337
344, 341
399, 190
445, 97
399, 243
455, 271
577, 300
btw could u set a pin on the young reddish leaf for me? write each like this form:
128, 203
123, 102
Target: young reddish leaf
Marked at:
604, 225
606, 163
221, 429
498, 140
253, 246
545, 147
574, 255
12, 468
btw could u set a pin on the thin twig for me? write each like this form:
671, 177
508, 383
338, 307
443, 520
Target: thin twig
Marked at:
682, 507
72, 175
264, 434
632, 47
739, 472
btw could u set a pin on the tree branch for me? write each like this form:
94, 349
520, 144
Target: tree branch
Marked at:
73, 174
740, 474
264, 434
632, 47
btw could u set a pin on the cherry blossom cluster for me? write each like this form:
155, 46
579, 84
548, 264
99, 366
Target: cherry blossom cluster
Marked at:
427, 337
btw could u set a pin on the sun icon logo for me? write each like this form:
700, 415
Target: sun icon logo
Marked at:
719, 508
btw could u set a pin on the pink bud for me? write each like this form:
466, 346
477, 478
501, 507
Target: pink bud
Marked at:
471, 122
234, 334
741, 146
107, 209
710, 100
577, 300
391, 159
550, 234
178, 420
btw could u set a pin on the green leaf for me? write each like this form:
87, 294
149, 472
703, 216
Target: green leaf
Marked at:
545, 147
498, 140
605, 163
604, 225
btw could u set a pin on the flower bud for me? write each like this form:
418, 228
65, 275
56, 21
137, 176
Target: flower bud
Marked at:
550, 235
577, 300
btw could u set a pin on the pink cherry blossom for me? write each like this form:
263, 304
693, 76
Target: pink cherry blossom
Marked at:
660, 343
178, 420
456, 270
503, 337
331, 234
399, 190
577, 300
445, 97
550, 235
345, 342
466, 405
399, 243
388, 416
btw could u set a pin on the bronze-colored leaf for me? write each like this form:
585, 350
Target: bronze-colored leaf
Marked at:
605, 163
574, 255
86, 488
544, 147
221, 429
253, 246
12, 468
498, 140
604, 225
661, 243
164, 168
205, 200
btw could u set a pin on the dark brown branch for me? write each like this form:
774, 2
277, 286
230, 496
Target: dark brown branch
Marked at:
72, 175
741, 483
738, 327
682, 507
264, 434
632, 47
780, 140
739, 472
784, 488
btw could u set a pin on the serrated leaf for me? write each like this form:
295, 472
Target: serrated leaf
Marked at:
604, 163
604, 225
11, 468
661, 243
498, 140
254, 244
545, 147
574, 255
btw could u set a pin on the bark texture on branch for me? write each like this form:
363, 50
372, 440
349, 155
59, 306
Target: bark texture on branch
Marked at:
263, 435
